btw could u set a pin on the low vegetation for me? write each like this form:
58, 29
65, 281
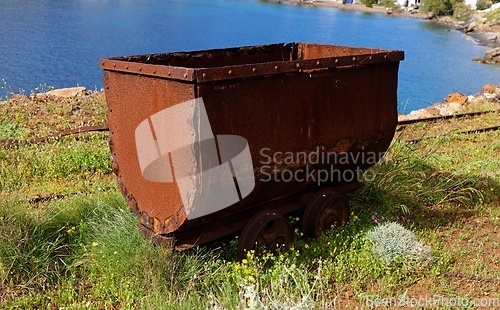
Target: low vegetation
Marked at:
494, 17
369, 3
440, 7
484, 4
68, 239
390, 4
462, 11
393, 242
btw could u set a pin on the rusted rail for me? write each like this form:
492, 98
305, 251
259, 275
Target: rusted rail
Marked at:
105, 127
437, 118
84, 129
465, 132
39, 199
54, 196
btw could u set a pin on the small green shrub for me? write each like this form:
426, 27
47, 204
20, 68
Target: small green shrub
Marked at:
389, 4
439, 7
392, 242
483, 4
461, 11
369, 3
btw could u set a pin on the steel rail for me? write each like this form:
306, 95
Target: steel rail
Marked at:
465, 132
84, 129
403, 123
443, 117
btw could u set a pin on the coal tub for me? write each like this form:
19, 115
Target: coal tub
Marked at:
211, 143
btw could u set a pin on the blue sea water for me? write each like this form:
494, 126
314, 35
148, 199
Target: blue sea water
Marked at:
59, 42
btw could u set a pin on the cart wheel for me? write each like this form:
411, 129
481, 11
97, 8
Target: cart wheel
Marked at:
325, 210
266, 229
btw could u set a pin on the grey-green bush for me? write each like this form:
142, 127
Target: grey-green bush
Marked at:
393, 243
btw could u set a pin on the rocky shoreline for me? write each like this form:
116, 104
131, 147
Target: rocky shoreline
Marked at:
487, 100
477, 26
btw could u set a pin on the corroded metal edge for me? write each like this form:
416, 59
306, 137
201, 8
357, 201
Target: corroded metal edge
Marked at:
167, 241
348, 56
255, 70
152, 223
174, 73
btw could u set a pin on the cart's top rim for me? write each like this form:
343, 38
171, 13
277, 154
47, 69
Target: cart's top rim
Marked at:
248, 61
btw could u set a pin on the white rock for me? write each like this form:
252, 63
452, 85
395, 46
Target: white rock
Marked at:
444, 109
489, 96
455, 106
66, 92
421, 113
402, 117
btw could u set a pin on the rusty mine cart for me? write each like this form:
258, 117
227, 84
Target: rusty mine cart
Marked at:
213, 143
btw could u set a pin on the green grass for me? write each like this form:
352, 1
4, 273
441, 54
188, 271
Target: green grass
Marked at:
62, 160
82, 249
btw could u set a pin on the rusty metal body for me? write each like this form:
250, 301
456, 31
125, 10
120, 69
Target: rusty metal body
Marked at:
282, 98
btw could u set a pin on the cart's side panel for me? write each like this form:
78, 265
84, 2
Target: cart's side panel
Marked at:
343, 109
131, 99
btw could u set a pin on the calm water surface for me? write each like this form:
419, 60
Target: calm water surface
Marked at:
60, 42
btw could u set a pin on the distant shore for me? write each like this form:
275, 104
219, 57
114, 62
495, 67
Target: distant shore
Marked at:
358, 7
486, 38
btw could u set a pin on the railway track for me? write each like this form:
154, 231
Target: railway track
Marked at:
84, 129
105, 127
467, 132
403, 123
445, 117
